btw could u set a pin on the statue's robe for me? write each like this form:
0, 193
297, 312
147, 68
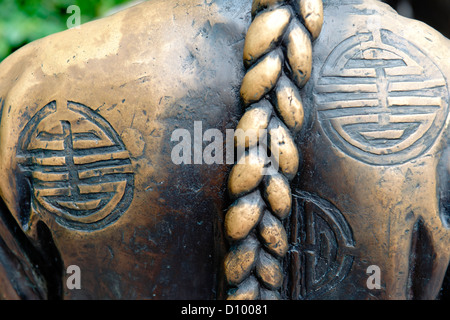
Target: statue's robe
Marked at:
88, 177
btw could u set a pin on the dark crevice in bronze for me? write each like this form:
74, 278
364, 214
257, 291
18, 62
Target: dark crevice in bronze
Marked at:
24, 193
43, 267
445, 290
421, 262
13, 231
13, 268
293, 260
443, 178
53, 264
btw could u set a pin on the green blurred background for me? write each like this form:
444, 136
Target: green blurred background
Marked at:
22, 21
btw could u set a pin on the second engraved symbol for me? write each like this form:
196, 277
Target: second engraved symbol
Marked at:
380, 99
80, 171
322, 247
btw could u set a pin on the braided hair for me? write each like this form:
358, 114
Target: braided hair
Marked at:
278, 59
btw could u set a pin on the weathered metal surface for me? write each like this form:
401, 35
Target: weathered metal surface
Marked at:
87, 179
85, 146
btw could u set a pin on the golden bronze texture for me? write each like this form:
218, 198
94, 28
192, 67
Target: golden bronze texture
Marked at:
374, 182
86, 174
341, 191
298, 47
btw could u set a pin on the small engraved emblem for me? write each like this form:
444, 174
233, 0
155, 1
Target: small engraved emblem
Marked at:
380, 99
323, 246
80, 171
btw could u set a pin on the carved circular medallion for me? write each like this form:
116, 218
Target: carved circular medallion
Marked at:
80, 171
380, 99
324, 239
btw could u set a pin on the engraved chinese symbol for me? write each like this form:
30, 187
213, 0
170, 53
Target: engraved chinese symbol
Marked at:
380, 99
80, 171
323, 247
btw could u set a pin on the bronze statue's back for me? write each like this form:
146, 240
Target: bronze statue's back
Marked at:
90, 120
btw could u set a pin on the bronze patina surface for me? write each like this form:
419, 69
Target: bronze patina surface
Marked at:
376, 155
86, 125
355, 96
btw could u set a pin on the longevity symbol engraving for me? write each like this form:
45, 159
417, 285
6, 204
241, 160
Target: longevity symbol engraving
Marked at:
380, 99
80, 171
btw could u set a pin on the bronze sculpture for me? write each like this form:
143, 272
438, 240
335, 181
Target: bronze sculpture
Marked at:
359, 113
